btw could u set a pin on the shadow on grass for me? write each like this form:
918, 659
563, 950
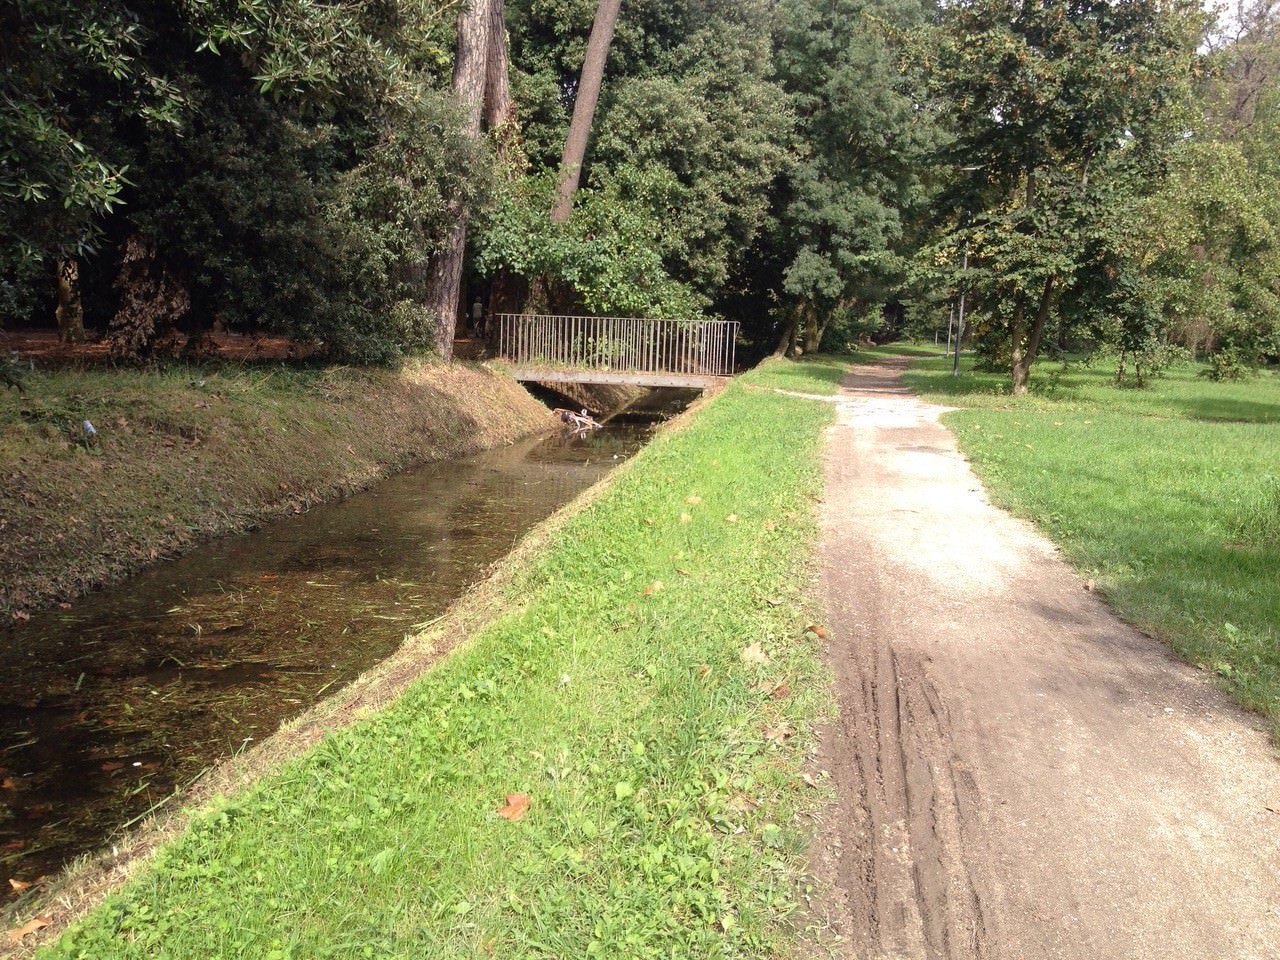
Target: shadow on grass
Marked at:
1225, 410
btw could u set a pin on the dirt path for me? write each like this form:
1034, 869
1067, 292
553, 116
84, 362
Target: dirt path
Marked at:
1021, 775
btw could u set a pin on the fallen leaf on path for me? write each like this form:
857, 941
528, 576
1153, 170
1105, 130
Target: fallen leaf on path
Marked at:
808, 778
18, 934
1090, 586
18, 885
21, 615
517, 806
111, 766
754, 654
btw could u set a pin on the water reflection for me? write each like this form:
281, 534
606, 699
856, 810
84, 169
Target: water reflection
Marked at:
105, 708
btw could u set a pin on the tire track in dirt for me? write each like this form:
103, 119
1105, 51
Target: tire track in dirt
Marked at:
1020, 775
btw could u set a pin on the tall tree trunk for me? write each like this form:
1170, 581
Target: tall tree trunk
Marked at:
1023, 358
70, 309
584, 107
787, 341
1018, 332
444, 279
499, 108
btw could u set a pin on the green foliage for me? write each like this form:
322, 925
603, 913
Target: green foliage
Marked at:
689, 138
1059, 114
609, 252
289, 164
854, 187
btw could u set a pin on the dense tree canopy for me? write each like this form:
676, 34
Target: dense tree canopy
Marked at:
295, 166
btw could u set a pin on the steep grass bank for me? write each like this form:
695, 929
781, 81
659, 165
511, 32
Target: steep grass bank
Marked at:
613, 767
182, 454
1167, 498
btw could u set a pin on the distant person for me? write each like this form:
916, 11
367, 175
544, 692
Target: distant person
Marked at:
477, 317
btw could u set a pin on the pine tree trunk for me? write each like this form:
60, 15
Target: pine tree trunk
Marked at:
499, 108
584, 107
70, 309
444, 279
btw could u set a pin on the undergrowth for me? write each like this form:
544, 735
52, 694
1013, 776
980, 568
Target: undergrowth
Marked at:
613, 769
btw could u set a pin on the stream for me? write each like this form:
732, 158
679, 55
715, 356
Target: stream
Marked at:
109, 706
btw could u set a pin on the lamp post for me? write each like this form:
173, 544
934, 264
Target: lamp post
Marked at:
964, 268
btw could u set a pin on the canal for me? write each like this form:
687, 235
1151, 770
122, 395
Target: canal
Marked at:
110, 705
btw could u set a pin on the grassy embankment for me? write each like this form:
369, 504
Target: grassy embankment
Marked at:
184, 453
649, 696
1168, 498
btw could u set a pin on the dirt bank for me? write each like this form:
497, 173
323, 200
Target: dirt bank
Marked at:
179, 455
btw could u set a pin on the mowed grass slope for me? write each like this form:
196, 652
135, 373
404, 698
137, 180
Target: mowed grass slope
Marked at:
1168, 498
611, 770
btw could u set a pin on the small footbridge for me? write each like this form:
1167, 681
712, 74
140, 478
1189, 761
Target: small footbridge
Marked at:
645, 352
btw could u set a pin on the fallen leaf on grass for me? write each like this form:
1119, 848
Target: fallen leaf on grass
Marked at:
683, 572
18, 934
780, 734
517, 806
649, 521
656, 587
703, 669
693, 500
781, 691
808, 778
686, 518
21, 615
731, 518
18, 885
817, 629
754, 654
774, 601
111, 766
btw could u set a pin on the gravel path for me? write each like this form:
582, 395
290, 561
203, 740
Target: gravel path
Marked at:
1021, 775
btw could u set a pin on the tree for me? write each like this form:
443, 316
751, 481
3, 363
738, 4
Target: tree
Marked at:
470, 70
855, 185
1058, 109
584, 107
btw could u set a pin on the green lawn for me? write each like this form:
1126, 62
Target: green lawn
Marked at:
1167, 497
650, 697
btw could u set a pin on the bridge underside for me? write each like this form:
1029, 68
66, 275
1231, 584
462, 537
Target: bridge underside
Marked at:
691, 380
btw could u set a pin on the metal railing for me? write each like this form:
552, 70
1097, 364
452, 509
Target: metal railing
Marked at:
618, 344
